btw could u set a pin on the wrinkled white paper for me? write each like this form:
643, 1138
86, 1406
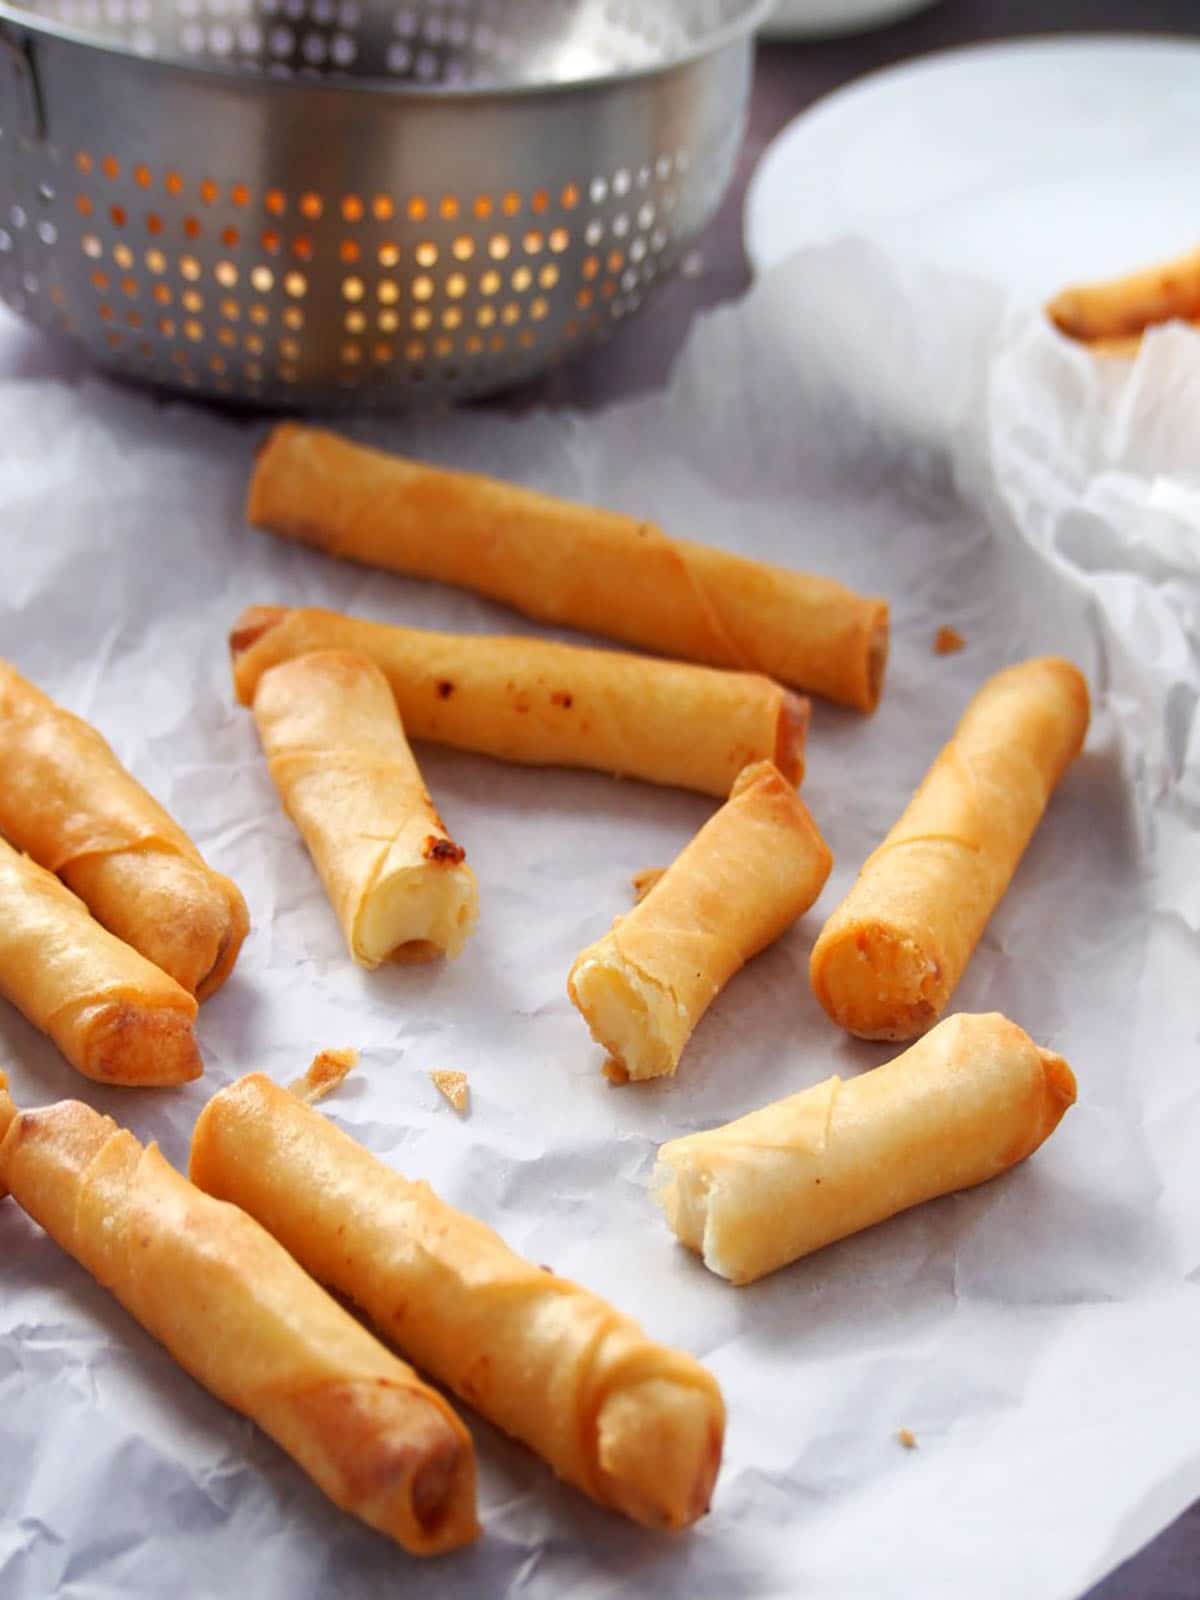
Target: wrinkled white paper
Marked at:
1039, 1336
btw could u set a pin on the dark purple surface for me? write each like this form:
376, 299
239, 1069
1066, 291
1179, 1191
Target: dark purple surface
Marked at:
790, 77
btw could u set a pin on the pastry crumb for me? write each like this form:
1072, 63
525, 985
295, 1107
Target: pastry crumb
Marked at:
328, 1069
947, 641
907, 1438
644, 881
456, 1089
615, 1071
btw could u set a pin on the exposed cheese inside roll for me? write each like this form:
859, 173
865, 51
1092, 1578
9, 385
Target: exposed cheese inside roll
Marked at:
348, 780
963, 1104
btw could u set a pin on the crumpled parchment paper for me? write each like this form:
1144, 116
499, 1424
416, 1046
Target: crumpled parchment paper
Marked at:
1039, 1336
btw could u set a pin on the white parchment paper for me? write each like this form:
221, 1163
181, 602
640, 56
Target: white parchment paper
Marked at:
1039, 1336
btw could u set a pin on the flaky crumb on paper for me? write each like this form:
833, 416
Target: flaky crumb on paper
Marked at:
907, 1438
644, 881
947, 641
456, 1089
328, 1069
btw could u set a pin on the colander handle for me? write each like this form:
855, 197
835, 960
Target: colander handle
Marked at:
20, 72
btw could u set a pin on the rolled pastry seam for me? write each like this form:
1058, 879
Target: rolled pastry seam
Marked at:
69, 803
637, 1426
237, 1312
890, 956
571, 564
113, 1014
1124, 307
348, 780
754, 867
972, 1098
544, 704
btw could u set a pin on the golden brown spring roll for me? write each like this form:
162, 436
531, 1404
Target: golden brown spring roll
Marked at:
348, 780
637, 1426
236, 1312
1122, 308
753, 868
69, 803
545, 704
571, 564
888, 959
115, 1016
968, 1101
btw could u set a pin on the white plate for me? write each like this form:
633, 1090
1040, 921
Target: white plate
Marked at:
1031, 164
800, 19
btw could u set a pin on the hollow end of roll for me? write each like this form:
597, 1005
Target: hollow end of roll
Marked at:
791, 735
877, 982
659, 1445
138, 1046
229, 947
878, 643
250, 627
1061, 1086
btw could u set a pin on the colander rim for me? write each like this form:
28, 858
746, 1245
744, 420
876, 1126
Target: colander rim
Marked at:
30, 23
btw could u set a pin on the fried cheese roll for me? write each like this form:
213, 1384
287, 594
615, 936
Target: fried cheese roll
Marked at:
69, 803
890, 956
571, 564
754, 867
237, 1313
637, 1426
115, 1016
348, 780
544, 704
972, 1098
1123, 308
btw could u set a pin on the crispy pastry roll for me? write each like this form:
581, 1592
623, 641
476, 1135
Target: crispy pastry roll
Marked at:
888, 959
969, 1100
114, 1016
571, 564
753, 868
69, 803
544, 704
348, 780
637, 1426
1122, 308
236, 1312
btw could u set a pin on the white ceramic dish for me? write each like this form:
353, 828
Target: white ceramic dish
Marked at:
1030, 163
803, 19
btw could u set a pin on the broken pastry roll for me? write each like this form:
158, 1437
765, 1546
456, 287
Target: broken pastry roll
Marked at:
571, 564
237, 1313
972, 1098
69, 803
348, 780
115, 1016
545, 704
888, 959
637, 1426
753, 868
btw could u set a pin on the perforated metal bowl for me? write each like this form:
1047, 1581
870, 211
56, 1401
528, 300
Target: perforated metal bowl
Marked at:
331, 202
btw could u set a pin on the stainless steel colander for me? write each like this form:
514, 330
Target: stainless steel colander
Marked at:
324, 203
